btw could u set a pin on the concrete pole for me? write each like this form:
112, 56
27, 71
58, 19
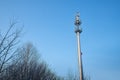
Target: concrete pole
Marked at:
79, 57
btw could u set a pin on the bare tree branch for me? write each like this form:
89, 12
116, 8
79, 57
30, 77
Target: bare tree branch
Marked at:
7, 44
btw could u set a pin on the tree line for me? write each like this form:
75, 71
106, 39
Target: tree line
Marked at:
21, 63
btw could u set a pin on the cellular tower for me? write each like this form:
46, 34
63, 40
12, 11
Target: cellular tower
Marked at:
78, 30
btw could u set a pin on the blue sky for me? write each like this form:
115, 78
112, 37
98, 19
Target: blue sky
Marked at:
49, 25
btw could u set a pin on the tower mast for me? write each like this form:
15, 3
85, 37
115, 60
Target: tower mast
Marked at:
78, 30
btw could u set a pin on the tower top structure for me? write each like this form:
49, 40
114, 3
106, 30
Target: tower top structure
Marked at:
77, 23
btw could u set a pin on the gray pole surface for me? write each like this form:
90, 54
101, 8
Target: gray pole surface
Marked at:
79, 56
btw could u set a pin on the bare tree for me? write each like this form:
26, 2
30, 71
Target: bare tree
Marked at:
27, 67
7, 43
21, 63
73, 76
